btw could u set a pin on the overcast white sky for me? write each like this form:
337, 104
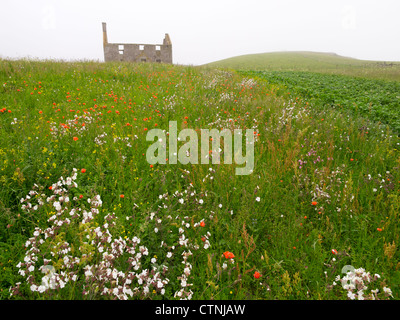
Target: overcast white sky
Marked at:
201, 31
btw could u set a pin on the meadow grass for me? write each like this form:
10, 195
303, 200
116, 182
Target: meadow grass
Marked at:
84, 216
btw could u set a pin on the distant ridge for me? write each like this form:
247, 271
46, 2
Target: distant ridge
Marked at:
323, 62
286, 60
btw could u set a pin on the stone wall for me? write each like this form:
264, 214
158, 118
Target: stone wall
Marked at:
161, 53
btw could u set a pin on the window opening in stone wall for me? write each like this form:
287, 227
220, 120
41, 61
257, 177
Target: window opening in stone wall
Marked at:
135, 51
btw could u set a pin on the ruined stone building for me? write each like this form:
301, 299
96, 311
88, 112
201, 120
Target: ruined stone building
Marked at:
161, 53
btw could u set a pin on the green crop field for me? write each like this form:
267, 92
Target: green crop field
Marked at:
377, 100
84, 215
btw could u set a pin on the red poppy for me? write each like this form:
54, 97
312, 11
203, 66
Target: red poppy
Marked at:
202, 224
314, 203
83, 170
75, 138
257, 275
228, 255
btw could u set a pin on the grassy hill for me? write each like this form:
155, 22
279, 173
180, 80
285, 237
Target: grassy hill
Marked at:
313, 62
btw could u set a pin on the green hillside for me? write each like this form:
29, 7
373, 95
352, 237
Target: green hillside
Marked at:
313, 62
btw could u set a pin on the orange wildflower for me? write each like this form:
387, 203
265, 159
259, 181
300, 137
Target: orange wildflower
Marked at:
228, 255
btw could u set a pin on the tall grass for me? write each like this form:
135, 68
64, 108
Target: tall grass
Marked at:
84, 216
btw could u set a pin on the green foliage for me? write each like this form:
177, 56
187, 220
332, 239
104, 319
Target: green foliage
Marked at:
377, 100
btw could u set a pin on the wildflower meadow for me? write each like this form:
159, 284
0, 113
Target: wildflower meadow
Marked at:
85, 215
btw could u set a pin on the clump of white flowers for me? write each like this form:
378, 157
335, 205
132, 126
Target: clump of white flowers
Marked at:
82, 250
358, 285
95, 255
77, 125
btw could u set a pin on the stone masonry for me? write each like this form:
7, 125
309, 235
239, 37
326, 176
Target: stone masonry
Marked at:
161, 53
